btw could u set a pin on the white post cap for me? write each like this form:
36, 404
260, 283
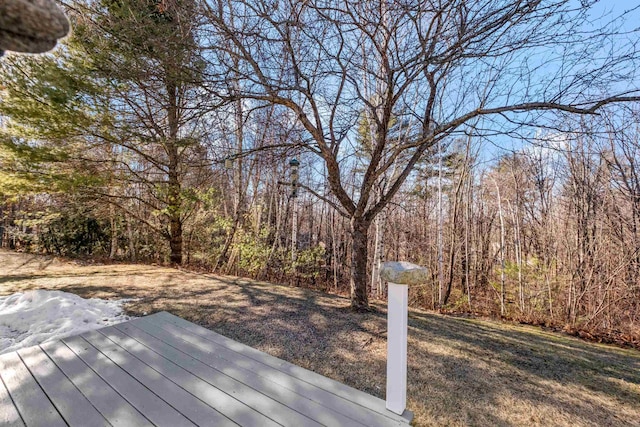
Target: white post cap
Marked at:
403, 273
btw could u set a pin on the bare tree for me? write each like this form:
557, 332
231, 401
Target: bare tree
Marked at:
436, 65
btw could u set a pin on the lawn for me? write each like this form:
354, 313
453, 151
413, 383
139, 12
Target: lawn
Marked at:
461, 371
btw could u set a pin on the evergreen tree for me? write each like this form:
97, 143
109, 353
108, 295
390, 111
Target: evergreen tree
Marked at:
112, 112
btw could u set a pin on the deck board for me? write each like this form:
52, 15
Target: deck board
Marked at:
9, 415
317, 402
162, 370
144, 400
309, 377
256, 380
233, 408
70, 403
195, 410
113, 407
276, 413
27, 394
306, 378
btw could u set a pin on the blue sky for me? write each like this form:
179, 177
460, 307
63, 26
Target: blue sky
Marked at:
602, 14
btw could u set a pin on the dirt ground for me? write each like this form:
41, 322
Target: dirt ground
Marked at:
461, 371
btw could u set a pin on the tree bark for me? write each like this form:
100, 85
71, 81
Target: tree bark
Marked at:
502, 260
176, 241
175, 217
378, 255
452, 236
113, 250
174, 205
359, 236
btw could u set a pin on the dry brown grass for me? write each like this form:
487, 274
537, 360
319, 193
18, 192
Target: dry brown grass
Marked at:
461, 371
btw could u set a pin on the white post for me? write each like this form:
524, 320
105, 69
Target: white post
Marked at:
397, 348
399, 275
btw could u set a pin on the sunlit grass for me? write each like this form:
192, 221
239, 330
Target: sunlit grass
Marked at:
461, 371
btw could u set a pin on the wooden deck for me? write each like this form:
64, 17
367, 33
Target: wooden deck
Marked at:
162, 370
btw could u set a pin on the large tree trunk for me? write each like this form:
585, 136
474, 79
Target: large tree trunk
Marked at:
175, 211
359, 237
175, 239
174, 204
238, 206
378, 255
113, 251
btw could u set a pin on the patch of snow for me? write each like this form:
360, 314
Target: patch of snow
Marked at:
34, 317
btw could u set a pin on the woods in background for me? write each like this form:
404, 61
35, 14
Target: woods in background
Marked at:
162, 131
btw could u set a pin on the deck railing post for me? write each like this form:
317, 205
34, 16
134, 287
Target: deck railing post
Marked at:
399, 276
397, 348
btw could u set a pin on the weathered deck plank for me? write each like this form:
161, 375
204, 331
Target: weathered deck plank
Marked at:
232, 408
265, 405
164, 371
305, 376
194, 409
72, 405
27, 394
9, 415
306, 398
150, 405
111, 405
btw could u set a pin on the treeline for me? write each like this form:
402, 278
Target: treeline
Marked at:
543, 235
164, 131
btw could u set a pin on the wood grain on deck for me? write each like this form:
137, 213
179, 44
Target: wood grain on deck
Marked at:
164, 371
